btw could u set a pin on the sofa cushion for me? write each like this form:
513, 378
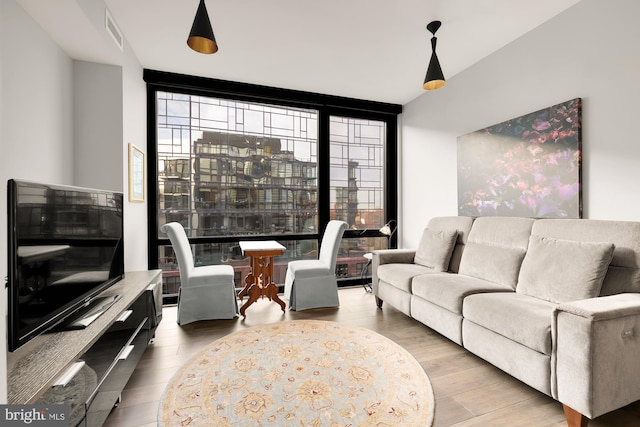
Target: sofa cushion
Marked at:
560, 270
462, 225
436, 248
623, 274
448, 290
495, 249
521, 318
400, 275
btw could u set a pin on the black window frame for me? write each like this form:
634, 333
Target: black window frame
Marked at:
326, 105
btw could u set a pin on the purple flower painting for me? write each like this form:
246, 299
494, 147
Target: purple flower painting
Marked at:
528, 166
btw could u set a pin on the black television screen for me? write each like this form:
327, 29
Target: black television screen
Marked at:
65, 246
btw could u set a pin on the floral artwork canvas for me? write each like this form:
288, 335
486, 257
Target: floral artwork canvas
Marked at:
529, 166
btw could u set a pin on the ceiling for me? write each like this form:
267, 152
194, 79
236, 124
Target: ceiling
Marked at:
367, 49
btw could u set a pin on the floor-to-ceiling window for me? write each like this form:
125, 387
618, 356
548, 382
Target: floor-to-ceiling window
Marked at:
233, 162
357, 187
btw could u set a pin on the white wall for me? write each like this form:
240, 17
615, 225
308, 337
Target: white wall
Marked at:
51, 129
119, 120
98, 125
589, 51
37, 116
102, 132
134, 131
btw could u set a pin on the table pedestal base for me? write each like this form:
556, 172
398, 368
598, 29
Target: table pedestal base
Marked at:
255, 289
259, 282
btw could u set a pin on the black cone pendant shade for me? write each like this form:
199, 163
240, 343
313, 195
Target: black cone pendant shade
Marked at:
201, 38
434, 78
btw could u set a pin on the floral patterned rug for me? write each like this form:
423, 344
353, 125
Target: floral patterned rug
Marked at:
300, 373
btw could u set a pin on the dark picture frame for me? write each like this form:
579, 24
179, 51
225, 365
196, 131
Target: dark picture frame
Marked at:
529, 166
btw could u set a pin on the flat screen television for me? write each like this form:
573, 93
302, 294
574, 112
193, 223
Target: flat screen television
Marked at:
65, 247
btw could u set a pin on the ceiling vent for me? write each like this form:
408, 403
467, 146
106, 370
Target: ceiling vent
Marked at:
113, 29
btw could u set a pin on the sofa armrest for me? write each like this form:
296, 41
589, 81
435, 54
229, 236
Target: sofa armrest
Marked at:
597, 353
388, 256
393, 256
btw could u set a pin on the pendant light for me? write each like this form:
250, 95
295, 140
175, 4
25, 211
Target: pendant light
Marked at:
201, 38
434, 78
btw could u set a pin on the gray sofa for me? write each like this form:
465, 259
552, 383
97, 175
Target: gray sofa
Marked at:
553, 302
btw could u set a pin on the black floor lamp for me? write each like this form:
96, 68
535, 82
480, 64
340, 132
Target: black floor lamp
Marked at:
388, 230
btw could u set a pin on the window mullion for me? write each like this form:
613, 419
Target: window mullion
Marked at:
324, 176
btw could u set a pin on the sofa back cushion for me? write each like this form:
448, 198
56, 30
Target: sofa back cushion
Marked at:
623, 274
558, 270
462, 226
495, 249
435, 249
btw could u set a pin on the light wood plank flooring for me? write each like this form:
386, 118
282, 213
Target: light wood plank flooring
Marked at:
469, 392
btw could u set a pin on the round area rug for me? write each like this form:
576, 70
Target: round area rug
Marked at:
300, 373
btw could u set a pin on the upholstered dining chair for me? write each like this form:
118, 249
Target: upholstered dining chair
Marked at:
312, 283
206, 292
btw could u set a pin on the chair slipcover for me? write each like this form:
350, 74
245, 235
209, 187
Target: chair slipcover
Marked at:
206, 292
312, 283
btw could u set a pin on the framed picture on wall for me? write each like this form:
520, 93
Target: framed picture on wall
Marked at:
136, 174
529, 166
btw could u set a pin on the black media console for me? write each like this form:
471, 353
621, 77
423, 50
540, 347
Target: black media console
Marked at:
88, 368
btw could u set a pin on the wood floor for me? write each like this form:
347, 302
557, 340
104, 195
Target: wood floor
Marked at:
469, 391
